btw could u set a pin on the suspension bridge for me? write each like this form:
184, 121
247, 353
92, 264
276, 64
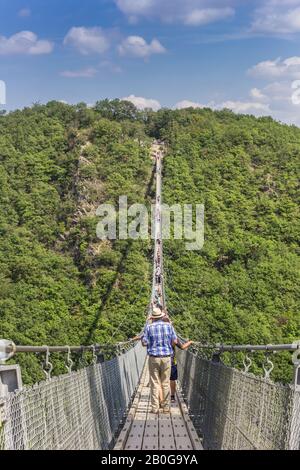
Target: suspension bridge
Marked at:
105, 405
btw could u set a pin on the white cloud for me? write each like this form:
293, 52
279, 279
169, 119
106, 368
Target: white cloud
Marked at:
278, 95
282, 106
278, 91
188, 104
136, 46
207, 15
246, 107
279, 98
142, 103
274, 17
189, 12
282, 110
24, 12
87, 40
88, 72
277, 17
275, 99
273, 69
24, 42
256, 94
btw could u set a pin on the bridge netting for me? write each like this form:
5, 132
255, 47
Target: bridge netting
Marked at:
235, 410
76, 411
80, 410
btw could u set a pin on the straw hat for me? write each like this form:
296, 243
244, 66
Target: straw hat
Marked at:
157, 313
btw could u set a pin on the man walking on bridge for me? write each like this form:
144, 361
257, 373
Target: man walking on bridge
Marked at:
159, 338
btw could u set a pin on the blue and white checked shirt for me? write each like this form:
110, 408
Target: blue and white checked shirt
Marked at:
158, 337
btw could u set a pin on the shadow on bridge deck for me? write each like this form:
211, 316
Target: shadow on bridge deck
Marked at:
144, 430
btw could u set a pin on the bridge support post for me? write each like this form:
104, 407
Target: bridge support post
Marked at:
296, 380
10, 379
10, 376
294, 437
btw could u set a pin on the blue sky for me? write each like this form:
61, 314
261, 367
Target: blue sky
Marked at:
243, 55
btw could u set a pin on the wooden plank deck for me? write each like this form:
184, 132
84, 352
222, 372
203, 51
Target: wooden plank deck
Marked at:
164, 431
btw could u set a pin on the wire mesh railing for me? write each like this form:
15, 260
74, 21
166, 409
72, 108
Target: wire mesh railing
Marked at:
78, 410
237, 410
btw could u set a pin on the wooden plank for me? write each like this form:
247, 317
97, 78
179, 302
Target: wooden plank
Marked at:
179, 427
135, 436
195, 439
167, 442
176, 411
141, 414
166, 436
132, 415
122, 438
150, 441
164, 418
137, 430
183, 443
181, 436
143, 404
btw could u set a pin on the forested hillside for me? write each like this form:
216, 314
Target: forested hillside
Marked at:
61, 285
244, 285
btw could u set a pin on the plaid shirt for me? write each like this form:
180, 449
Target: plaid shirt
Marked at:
158, 337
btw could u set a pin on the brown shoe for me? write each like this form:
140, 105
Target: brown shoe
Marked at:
166, 410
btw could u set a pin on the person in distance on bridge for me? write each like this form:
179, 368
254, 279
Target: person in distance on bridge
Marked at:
158, 301
158, 275
159, 338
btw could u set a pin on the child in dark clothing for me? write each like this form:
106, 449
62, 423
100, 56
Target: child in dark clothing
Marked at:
174, 373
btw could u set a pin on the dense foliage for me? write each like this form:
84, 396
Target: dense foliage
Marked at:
243, 287
60, 284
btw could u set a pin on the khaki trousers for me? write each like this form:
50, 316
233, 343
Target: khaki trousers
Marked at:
160, 370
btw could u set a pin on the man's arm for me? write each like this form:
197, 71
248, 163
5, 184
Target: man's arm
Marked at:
174, 338
137, 338
145, 337
184, 346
